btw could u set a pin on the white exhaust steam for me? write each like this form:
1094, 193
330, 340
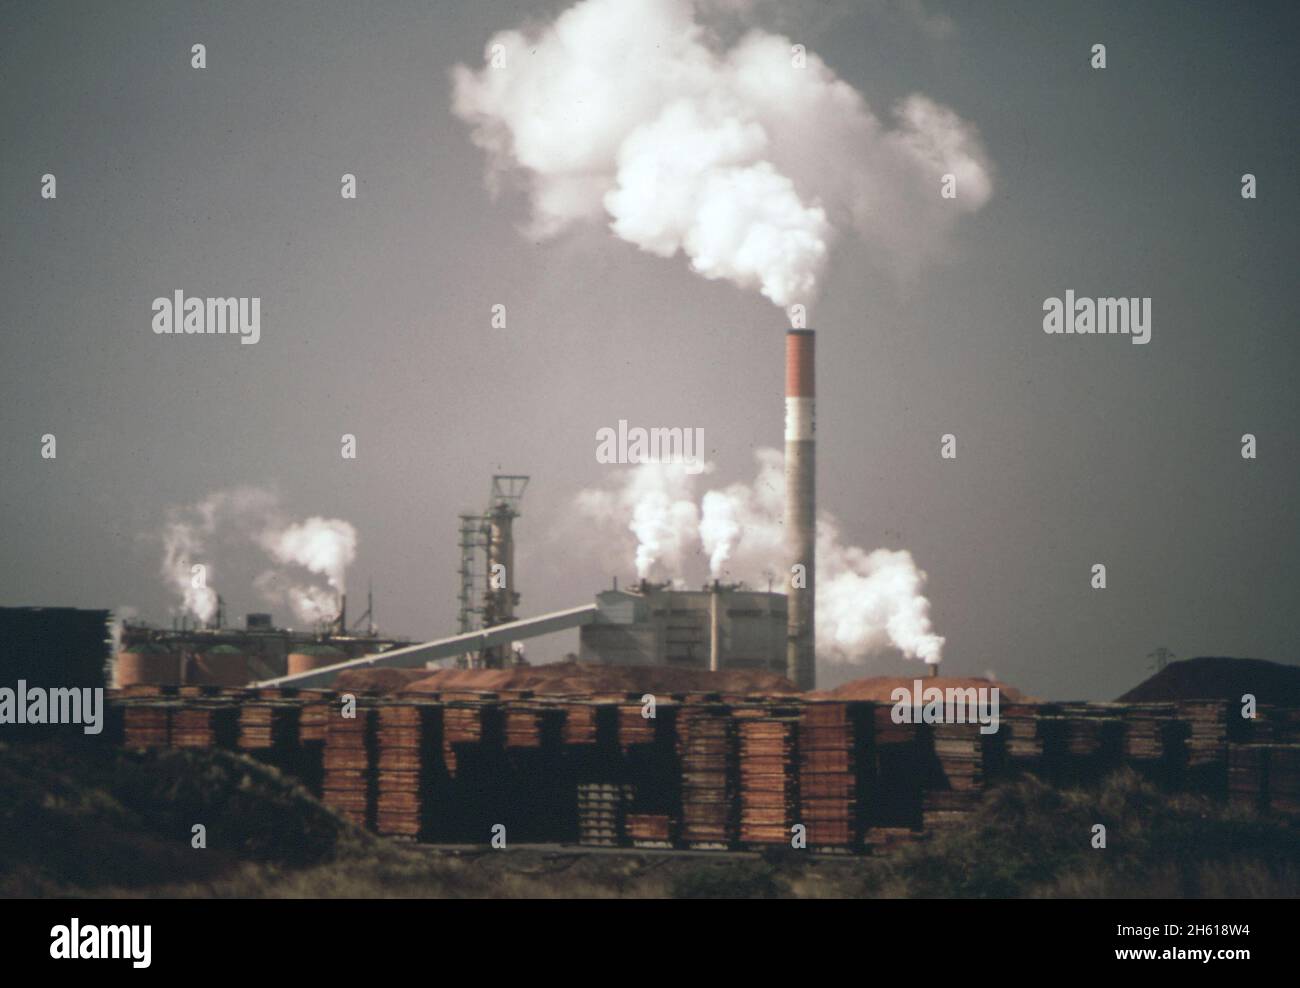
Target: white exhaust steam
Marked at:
867, 602
750, 161
227, 520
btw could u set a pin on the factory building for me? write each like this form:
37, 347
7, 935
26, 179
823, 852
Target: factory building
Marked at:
718, 627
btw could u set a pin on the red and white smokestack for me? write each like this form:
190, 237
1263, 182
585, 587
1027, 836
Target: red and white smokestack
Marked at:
801, 507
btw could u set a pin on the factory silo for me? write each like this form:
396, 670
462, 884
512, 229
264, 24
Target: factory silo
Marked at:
305, 658
146, 662
221, 665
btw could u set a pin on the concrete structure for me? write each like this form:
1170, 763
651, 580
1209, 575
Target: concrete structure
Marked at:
651, 625
801, 506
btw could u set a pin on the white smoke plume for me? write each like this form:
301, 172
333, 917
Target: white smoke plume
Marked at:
866, 601
325, 546
656, 503
748, 161
230, 519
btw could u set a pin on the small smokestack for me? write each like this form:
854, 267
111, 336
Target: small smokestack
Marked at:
715, 636
801, 507
932, 669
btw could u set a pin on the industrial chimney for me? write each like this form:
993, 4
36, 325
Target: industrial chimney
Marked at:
801, 507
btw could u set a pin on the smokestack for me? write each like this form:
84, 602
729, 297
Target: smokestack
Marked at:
715, 635
801, 507
932, 669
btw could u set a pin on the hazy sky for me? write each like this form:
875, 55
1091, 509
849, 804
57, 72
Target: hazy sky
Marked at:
376, 321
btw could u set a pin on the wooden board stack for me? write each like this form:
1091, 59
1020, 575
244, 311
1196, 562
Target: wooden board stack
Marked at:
1207, 744
205, 725
954, 782
601, 808
707, 749
769, 797
146, 725
1284, 778
410, 781
349, 764
833, 737
1248, 775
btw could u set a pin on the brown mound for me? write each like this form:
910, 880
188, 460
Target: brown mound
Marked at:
880, 688
569, 678
1212, 678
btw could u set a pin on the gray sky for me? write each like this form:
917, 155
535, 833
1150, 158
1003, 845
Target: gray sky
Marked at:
375, 321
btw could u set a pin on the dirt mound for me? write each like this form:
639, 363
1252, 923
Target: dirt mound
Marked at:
881, 688
569, 678
84, 816
1213, 678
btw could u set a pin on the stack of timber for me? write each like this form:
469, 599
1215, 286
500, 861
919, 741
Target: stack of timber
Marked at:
1154, 740
318, 707
205, 725
411, 785
146, 725
769, 796
601, 812
834, 746
1284, 778
1207, 744
707, 745
651, 770
268, 731
1248, 775
349, 763
1018, 747
954, 782
594, 772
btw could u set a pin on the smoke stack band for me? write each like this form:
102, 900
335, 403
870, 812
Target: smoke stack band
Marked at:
801, 507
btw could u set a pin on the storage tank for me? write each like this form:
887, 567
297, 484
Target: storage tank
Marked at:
221, 665
305, 658
146, 662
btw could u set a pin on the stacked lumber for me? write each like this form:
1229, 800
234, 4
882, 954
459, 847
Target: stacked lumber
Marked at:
1207, 743
649, 829
769, 797
1018, 745
829, 753
205, 725
349, 763
1248, 775
955, 783
601, 807
591, 758
146, 725
1284, 778
270, 726
408, 769
708, 758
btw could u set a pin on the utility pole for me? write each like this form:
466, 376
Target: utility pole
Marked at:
1160, 658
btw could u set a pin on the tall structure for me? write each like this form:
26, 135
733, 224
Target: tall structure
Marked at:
801, 507
492, 534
